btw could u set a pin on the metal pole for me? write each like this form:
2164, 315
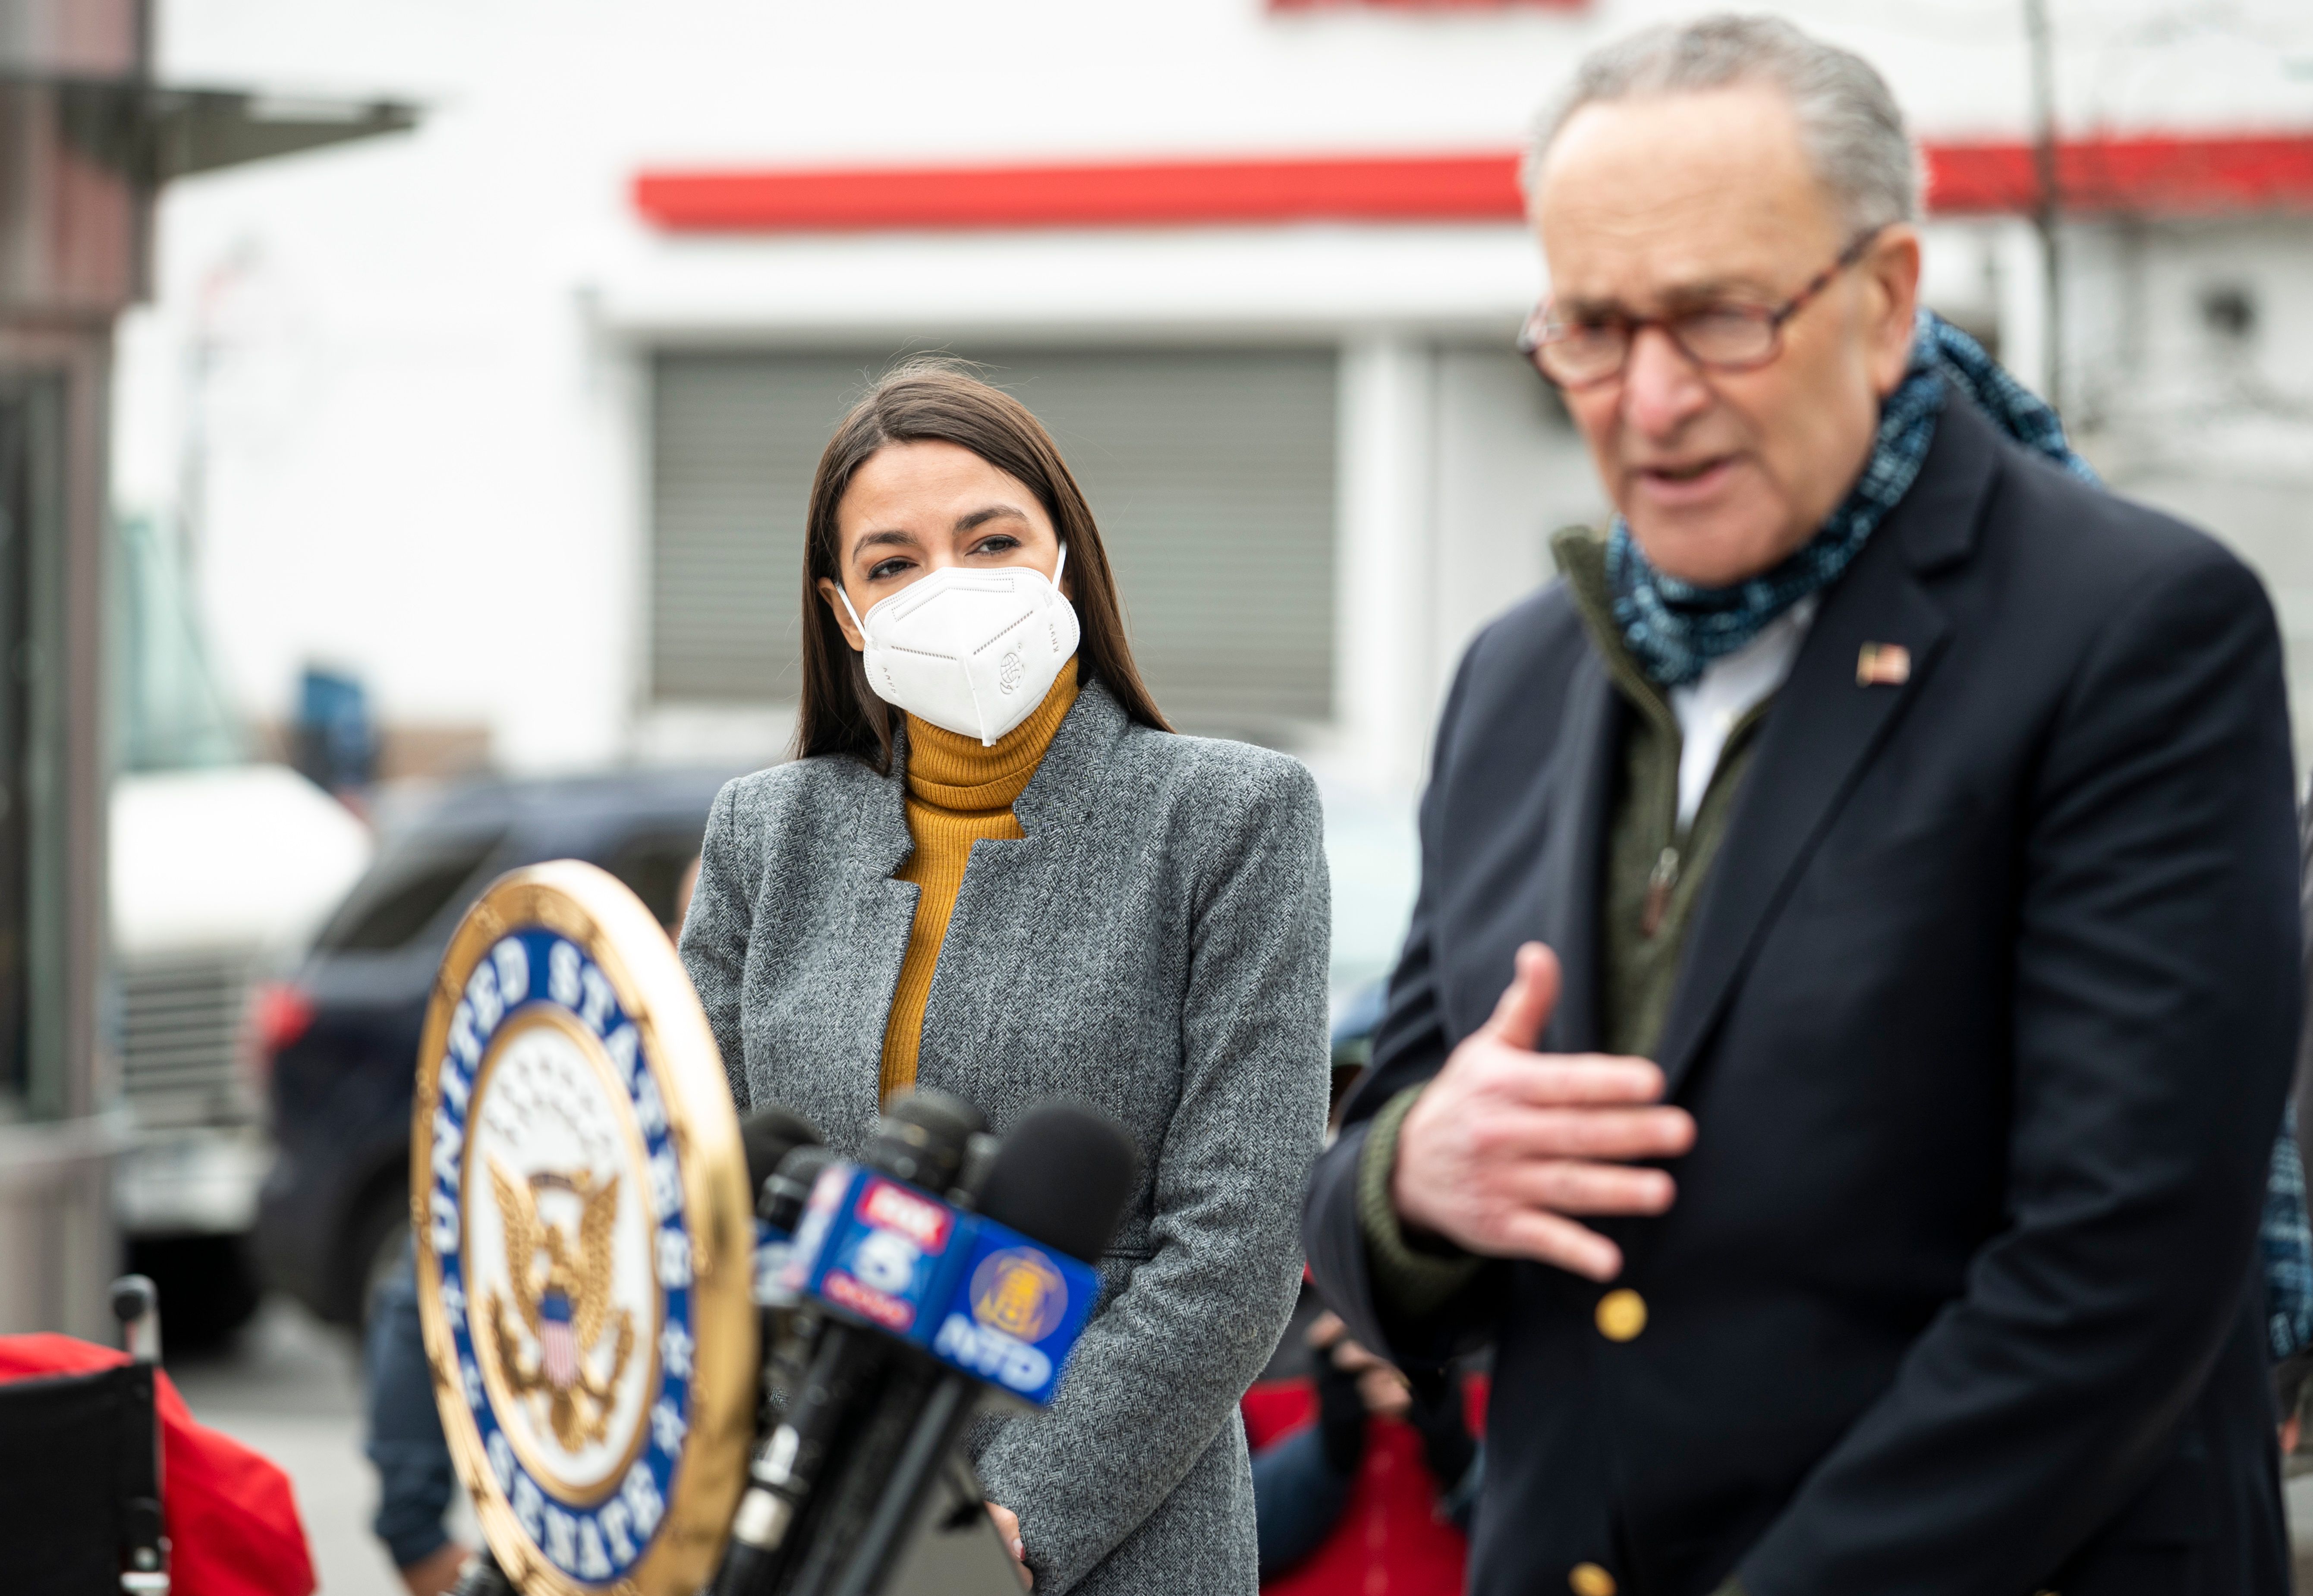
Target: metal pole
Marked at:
2048, 209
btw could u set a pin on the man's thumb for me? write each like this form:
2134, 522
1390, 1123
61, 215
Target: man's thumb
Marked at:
1526, 1003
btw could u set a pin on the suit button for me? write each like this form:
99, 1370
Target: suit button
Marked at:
1587, 1579
1622, 1315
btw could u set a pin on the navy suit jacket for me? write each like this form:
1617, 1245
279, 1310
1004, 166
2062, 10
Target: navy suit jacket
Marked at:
1985, 1019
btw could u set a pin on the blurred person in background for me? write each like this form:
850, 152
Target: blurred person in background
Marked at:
229, 1522
1888, 831
2287, 1246
1302, 1484
415, 1483
992, 869
1312, 1455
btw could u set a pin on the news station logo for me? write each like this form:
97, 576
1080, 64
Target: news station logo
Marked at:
1019, 1293
1019, 1299
883, 1270
889, 1207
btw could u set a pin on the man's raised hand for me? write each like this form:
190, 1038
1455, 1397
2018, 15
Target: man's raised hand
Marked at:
1507, 1141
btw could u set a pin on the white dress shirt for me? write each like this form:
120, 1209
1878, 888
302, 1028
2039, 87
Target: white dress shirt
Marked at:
1710, 706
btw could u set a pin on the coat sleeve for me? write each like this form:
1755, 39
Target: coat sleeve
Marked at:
1159, 1371
2155, 1003
1411, 1046
714, 941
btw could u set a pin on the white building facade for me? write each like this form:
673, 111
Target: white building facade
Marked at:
514, 416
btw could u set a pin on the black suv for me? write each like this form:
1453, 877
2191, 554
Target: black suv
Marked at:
341, 1038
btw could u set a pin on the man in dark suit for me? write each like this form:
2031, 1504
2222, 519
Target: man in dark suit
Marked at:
1841, 1032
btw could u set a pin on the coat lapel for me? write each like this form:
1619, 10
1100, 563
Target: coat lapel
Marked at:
822, 1058
996, 935
1826, 724
1574, 848
879, 838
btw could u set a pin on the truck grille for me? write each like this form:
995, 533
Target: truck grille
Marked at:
182, 1024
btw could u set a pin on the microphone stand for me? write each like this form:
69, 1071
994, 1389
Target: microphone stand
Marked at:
933, 1438
784, 1515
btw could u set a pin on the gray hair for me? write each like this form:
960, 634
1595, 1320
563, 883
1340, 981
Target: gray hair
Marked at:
1849, 121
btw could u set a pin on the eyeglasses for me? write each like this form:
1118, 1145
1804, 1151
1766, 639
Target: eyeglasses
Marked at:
1725, 336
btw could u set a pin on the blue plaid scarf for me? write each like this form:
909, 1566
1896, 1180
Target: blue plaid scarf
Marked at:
1674, 629
2285, 1244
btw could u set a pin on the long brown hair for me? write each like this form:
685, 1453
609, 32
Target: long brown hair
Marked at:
936, 400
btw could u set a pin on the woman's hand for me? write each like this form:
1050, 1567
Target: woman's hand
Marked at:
1007, 1525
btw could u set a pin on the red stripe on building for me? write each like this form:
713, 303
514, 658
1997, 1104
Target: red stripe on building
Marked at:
1429, 5
1152, 193
2149, 176
2159, 176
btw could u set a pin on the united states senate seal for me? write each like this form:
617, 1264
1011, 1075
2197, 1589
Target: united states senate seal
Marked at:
585, 1240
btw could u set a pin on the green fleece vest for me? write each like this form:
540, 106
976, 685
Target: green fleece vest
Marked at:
1653, 879
1655, 870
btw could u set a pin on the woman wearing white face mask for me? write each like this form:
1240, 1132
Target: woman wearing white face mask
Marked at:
993, 868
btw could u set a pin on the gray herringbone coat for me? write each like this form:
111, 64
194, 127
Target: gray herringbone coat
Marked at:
1156, 945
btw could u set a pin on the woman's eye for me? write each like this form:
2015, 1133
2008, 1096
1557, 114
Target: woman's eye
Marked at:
1002, 544
886, 567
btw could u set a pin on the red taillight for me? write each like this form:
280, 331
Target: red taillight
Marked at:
278, 1014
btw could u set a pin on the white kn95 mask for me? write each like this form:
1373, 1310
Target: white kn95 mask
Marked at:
972, 651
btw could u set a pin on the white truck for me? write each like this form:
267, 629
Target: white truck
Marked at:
221, 866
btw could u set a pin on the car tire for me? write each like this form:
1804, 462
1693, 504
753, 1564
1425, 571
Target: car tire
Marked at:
207, 1286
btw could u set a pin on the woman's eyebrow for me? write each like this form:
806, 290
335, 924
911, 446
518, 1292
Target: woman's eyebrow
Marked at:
888, 535
981, 517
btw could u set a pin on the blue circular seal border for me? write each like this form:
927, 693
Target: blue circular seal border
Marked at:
603, 1541
565, 944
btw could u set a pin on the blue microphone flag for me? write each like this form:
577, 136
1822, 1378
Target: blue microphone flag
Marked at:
972, 1293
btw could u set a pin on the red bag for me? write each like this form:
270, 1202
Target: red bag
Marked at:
231, 1519
1390, 1541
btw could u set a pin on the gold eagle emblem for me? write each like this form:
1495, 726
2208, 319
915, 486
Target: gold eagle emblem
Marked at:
563, 1303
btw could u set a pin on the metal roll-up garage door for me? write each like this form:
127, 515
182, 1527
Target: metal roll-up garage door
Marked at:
1211, 473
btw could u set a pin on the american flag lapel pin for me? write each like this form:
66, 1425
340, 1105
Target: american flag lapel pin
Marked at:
1883, 665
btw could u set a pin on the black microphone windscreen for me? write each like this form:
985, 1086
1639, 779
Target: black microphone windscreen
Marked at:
768, 1135
922, 1137
780, 1200
1063, 1178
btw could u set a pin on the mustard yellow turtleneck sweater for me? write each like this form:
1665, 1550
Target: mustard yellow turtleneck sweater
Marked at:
958, 793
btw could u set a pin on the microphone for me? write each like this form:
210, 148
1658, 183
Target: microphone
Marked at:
922, 1140
777, 1142
790, 1320
788, 1189
771, 1136
768, 1135
1063, 1177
